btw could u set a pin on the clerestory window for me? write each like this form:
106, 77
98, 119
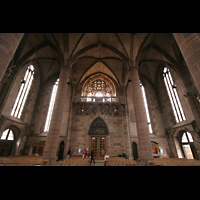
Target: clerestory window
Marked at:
173, 96
23, 92
51, 105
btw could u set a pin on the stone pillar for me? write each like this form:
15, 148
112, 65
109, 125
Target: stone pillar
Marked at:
8, 45
51, 145
144, 143
189, 44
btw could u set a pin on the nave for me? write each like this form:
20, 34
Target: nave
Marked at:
79, 161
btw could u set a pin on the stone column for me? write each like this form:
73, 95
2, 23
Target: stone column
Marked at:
144, 143
51, 145
8, 45
189, 44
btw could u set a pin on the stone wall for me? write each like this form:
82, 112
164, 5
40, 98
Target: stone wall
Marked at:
81, 126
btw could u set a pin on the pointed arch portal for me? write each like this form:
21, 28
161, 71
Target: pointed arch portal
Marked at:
98, 138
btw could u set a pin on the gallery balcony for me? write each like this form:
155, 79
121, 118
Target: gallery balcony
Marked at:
99, 99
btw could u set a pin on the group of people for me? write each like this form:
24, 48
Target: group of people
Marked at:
86, 154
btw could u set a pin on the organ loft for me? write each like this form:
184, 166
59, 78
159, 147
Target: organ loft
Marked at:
137, 93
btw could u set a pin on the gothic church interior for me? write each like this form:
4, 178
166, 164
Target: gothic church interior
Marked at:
111, 92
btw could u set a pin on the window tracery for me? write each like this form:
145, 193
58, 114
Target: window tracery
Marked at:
99, 88
23, 92
173, 96
187, 143
7, 135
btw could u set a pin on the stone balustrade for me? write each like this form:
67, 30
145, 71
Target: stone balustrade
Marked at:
99, 99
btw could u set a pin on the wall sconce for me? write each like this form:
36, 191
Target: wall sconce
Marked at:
23, 81
189, 94
69, 82
174, 86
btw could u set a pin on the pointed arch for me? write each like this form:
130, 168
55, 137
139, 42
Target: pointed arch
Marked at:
98, 127
99, 77
61, 150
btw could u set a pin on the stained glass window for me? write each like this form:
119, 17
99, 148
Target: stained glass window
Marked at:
99, 88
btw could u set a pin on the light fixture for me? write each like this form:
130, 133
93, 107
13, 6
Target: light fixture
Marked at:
174, 86
23, 81
69, 82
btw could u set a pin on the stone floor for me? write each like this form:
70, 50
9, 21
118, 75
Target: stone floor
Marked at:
97, 163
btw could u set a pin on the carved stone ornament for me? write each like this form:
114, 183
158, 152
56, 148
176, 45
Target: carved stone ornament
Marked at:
113, 109
98, 86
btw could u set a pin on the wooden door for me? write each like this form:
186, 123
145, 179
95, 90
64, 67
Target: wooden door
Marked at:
61, 150
99, 146
38, 148
135, 151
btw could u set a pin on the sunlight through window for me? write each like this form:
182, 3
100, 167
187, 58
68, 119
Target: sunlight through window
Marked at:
146, 108
173, 96
50, 111
23, 92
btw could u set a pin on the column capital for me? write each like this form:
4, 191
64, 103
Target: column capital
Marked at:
131, 68
132, 65
65, 67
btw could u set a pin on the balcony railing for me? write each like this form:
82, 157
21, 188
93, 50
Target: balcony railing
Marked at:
99, 99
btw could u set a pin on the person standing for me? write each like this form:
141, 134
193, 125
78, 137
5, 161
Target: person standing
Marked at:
92, 157
68, 153
106, 156
124, 155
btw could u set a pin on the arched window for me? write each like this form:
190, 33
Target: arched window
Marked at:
99, 88
7, 135
51, 105
23, 92
173, 96
187, 143
146, 108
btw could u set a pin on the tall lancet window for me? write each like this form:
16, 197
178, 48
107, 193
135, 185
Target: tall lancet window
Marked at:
23, 92
146, 108
51, 105
173, 96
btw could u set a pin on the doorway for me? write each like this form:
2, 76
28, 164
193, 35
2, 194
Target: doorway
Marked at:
99, 145
98, 138
61, 150
135, 151
6, 148
38, 148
